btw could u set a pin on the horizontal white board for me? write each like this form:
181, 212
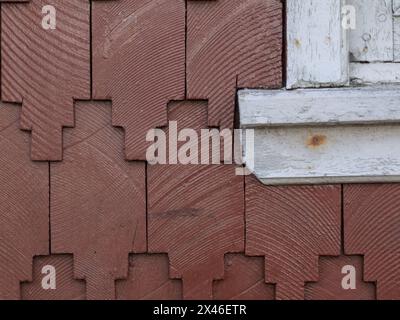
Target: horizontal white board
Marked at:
306, 136
347, 154
372, 39
364, 105
372, 73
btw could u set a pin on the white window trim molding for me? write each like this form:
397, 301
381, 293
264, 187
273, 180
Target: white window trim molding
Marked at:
318, 47
319, 136
329, 131
371, 105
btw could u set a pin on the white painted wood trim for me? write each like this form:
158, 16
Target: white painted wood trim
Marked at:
327, 180
341, 154
338, 135
396, 8
372, 39
319, 136
335, 106
317, 48
396, 38
375, 73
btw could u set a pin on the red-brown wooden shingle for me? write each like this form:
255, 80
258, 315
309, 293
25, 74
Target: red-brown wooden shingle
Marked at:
329, 284
292, 227
139, 63
45, 69
243, 280
149, 279
24, 205
67, 288
98, 202
232, 44
195, 212
372, 229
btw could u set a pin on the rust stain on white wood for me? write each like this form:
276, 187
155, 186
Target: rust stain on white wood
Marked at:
344, 135
333, 135
349, 154
316, 44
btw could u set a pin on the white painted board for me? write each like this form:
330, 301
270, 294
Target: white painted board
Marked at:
396, 8
372, 73
348, 135
396, 38
372, 39
317, 50
346, 154
363, 105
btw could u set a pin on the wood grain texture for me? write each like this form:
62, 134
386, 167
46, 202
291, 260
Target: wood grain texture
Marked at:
396, 8
291, 227
296, 141
139, 63
67, 288
372, 39
195, 212
243, 280
325, 154
369, 105
329, 284
148, 279
232, 44
45, 69
372, 229
98, 203
373, 73
396, 38
317, 48
24, 205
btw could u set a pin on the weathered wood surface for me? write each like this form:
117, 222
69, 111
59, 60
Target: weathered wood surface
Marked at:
372, 39
396, 38
243, 280
275, 108
329, 284
374, 73
45, 70
317, 52
291, 227
232, 44
24, 205
195, 212
139, 63
327, 154
310, 136
98, 201
319, 49
148, 279
372, 229
67, 288
396, 8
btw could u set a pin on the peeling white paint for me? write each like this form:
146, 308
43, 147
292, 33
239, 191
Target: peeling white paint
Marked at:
324, 135
316, 44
